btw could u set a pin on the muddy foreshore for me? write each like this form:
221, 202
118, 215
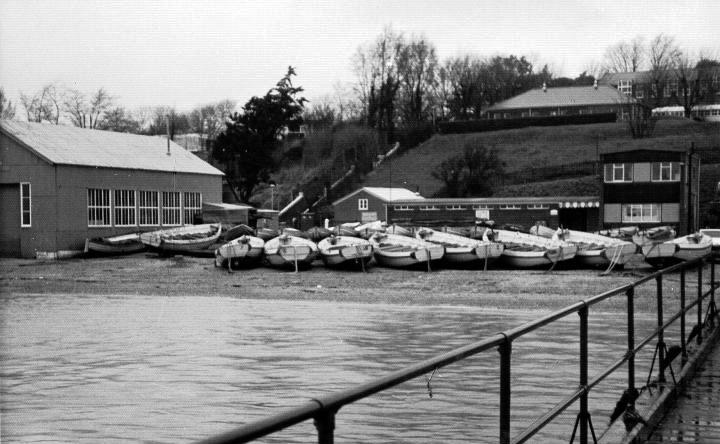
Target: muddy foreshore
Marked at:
149, 274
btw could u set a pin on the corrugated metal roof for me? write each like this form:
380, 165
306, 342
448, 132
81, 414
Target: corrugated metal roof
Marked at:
561, 97
67, 145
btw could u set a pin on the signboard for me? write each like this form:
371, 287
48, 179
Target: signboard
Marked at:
482, 214
368, 216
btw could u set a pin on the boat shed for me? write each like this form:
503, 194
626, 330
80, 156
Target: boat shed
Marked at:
574, 212
60, 185
369, 204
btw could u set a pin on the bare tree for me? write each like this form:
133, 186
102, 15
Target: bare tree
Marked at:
100, 102
44, 105
625, 56
417, 64
7, 109
75, 105
663, 54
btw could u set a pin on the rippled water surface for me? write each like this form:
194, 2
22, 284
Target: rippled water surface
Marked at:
94, 369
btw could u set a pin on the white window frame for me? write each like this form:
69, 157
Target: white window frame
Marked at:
146, 211
614, 168
99, 207
538, 207
402, 208
672, 168
125, 208
482, 207
170, 209
429, 208
192, 205
510, 207
25, 198
643, 213
363, 204
454, 207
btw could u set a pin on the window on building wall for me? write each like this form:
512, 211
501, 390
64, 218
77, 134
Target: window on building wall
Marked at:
148, 207
482, 207
509, 207
192, 205
429, 208
98, 207
641, 213
625, 87
618, 172
171, 209
125, 208
538, 207
362, 204
454, 207
401, 207
25, 205
666, 171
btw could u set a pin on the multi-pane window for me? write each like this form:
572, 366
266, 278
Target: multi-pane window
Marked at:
125, 212
625, 87
362, 204
641, 213
402, 207
454, 207
171, 209
25, 205
192, 205
666, 171
148, 207
98, 208
482, 207
509, 207
618, 172
429, 208
538, 207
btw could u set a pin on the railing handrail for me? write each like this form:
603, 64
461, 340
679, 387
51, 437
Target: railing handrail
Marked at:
331, 403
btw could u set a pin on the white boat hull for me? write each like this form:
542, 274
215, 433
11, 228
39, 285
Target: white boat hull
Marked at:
404, 259
290, 251
346, 255
525, 259
464, 255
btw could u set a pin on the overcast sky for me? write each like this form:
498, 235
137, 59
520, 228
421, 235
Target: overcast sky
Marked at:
188, 53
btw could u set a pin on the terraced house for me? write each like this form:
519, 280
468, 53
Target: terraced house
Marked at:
60, 185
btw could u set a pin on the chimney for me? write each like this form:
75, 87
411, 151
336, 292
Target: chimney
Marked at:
544, 87
595, 84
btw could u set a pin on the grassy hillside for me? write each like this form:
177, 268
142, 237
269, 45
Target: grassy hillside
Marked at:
536, 147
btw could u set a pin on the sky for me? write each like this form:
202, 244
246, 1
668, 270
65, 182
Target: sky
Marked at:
190, 53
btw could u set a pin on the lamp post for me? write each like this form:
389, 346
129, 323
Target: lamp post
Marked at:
272, 196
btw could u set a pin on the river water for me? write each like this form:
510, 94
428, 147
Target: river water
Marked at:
99, 368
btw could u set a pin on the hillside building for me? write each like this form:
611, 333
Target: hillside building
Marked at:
60, 185
647, 188
369, 204
562, 101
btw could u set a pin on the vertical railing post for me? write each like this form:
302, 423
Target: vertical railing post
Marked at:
583, 374
505, 354
325, 425
713, 309
631, 337
683, 345
661, 333
699, 303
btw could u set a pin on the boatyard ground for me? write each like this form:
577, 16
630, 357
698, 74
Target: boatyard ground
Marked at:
149, 274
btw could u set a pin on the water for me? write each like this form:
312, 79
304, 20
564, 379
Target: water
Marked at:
88, 369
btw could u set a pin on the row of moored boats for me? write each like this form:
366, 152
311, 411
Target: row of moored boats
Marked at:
356, 245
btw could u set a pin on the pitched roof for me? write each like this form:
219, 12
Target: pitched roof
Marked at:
562, 96
385, 194
67, 145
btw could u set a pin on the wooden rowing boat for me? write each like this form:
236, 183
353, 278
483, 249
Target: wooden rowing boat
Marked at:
523, 250
461, 250
114, 245
243, 251
395, 250
345, 251
593, 250
189, 239
290, 252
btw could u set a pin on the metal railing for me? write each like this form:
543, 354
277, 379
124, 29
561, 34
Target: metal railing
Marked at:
322, 410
